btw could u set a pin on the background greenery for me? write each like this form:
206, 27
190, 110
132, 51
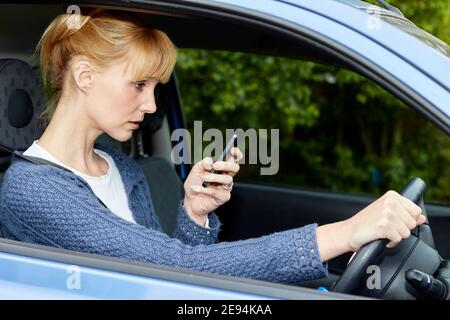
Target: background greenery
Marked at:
338, 130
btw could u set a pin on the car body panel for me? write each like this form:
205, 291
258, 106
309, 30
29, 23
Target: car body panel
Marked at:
55, 280
56, 273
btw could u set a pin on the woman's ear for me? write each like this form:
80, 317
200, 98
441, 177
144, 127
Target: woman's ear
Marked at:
82, 73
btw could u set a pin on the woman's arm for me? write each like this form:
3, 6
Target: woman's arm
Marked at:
186, 229
190, 232
200, 202
40, 205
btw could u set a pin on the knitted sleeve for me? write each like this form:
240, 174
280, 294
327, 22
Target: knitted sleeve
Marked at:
186, 229
42, 206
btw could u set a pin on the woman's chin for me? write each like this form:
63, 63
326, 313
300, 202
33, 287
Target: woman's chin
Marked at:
122, 136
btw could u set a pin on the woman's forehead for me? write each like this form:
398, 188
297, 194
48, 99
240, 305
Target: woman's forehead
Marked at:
123, 68
134, 71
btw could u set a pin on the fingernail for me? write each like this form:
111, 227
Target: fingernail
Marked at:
205, 178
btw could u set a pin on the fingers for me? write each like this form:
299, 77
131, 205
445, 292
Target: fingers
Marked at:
230, 166
206, 164
421, 219
226, 167
400, 215
236, 155
218, 178
408, 220
220, 171
394, 200
412, 208
394, 237
220, 195
397, 231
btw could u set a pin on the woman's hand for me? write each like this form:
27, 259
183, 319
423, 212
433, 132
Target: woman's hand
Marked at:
200, 201
391, 217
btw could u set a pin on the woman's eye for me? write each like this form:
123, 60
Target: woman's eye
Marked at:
140, 85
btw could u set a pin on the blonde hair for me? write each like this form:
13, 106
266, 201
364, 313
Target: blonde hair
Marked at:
103, 36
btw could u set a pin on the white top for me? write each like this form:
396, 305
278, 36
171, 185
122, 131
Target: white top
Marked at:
108, 188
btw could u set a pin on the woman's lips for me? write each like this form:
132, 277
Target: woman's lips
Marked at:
135, 124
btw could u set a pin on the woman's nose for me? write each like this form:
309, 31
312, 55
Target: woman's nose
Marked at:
149, 105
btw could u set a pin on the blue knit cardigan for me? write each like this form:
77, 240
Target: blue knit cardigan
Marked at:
46, 205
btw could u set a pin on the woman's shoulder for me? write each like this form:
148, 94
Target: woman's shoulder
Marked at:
22, 171
21, 167
25, 181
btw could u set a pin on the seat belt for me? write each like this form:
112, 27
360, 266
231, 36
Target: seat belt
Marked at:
40, 161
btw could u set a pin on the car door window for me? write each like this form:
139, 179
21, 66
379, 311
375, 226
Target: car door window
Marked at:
337, 130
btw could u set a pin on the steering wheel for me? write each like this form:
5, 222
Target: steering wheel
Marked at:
417, 251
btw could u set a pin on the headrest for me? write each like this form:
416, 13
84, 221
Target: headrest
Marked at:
21, 102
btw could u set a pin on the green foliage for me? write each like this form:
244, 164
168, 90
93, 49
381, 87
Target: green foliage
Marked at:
338, 130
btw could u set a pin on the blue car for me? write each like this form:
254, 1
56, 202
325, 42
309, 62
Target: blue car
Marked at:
378, 43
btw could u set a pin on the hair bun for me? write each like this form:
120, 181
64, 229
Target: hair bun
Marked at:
74, 21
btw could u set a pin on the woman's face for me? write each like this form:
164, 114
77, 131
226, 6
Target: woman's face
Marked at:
116, 101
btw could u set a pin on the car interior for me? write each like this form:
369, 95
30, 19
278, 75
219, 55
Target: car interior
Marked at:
250, 212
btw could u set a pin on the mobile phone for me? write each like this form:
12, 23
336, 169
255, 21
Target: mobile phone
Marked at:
222, 157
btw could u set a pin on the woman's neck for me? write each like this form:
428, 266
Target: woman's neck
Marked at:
69, 138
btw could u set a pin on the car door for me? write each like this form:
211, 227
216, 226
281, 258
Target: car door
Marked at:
30, 271
127, 279
260, 207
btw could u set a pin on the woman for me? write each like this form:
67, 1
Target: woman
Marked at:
104, 73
